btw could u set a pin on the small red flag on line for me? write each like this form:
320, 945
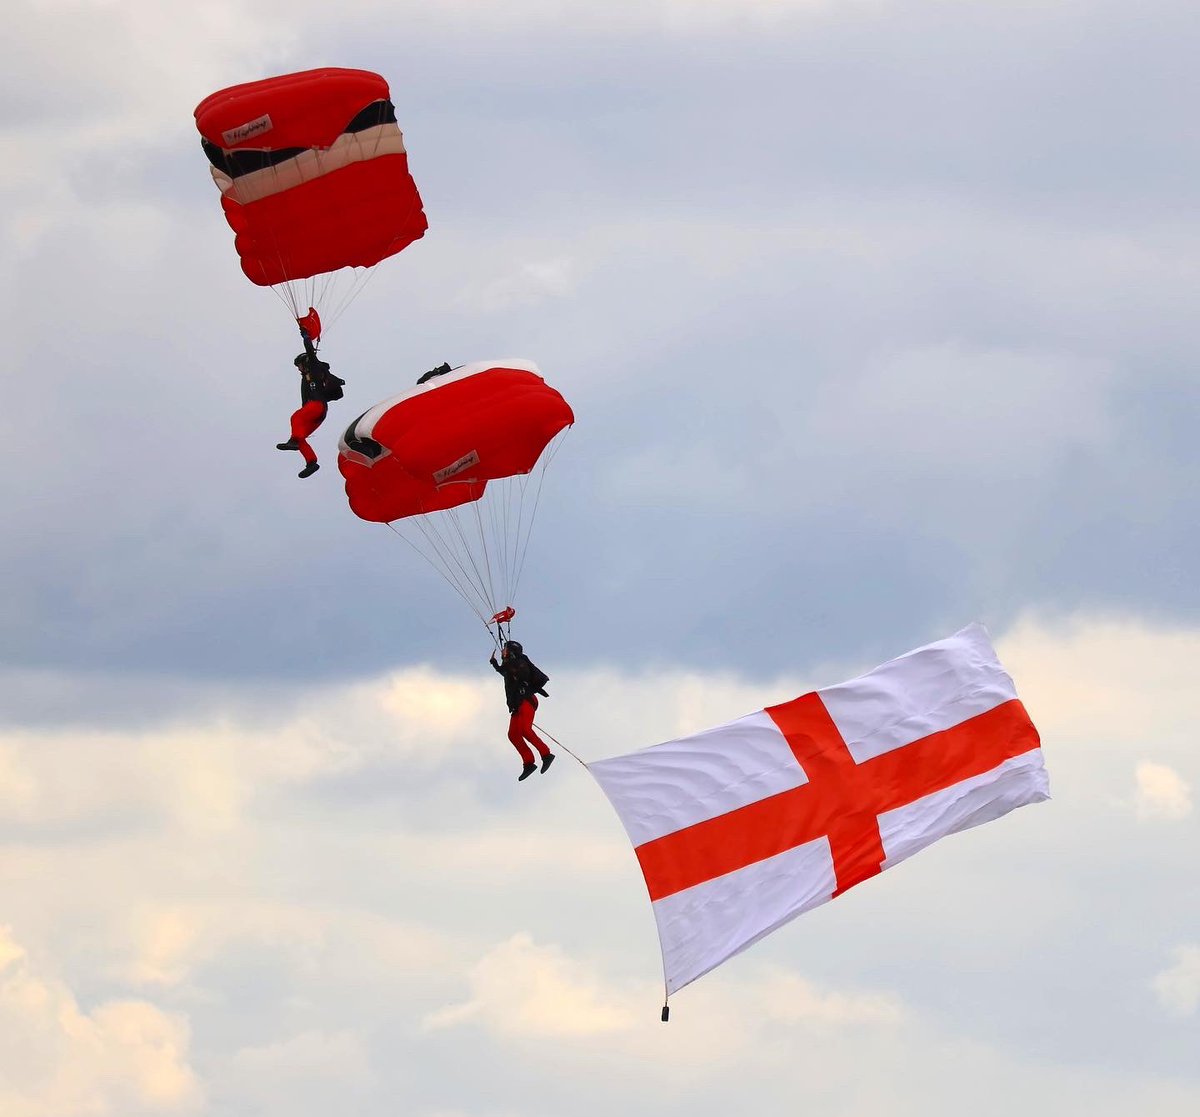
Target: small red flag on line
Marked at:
740, 828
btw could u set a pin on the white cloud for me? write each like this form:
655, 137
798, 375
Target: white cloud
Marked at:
121, 1058
1178, 988
205, 774
1162, 793
523, 992
203, 857
1106, 684
790, 999
310, 1068
526, 991
169, 946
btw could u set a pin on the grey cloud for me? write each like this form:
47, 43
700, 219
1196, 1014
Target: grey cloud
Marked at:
766, 238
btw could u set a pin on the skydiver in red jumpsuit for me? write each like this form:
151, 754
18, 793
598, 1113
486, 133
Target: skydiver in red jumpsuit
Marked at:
523, 682
318, 387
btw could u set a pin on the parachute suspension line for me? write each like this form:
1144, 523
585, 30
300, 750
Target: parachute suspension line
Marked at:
320, 294
480, 581
454, 545
522, 522
442, 544
494, 527
512, 529
456, 539
519, 559
484, 563
487, 558
289, 304
289, 293
443, 571
437, 562
501, 511
518, 523
547, 458
439, 554
362, 276
379, 140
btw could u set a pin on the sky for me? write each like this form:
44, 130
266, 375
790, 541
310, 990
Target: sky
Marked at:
876, 320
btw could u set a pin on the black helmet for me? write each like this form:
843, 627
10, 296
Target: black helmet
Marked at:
301, 360
513, 648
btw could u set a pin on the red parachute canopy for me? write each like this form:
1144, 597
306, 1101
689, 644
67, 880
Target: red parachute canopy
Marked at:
448, 465
437, 446
313, 173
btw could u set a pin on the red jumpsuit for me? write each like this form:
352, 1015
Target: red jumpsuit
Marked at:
520, 730
305, 421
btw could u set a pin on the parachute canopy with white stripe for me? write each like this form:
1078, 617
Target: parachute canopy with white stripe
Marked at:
455, 466
314, 179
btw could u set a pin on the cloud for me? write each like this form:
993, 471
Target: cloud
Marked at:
304, 1072
525, 991
1105, 682
157, 945
1178, 988
208, 756
790, 999
1162, 793
354, 867
123, 1057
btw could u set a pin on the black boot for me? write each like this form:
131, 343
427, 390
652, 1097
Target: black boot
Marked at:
290, 444
308, 470
527, 771
547, 760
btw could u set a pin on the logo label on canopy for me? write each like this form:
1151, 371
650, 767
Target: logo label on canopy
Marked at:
463, 463
255, 127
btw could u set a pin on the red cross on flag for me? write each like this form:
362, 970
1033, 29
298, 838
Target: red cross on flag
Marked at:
740, 828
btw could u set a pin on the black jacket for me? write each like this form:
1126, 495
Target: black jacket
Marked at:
317, 382
522, 679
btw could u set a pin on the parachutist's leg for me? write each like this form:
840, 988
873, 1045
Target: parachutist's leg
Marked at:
304, 422
524, 720
516, 736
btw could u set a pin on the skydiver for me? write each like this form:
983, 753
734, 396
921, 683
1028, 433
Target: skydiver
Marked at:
441, 370
523, 682
318, 388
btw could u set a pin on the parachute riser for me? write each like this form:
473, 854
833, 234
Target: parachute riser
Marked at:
502, 620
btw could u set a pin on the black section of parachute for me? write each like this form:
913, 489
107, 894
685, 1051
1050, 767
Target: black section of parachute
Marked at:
368, 447
244, 161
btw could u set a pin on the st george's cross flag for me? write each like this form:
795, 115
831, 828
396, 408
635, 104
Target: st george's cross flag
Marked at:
740, 828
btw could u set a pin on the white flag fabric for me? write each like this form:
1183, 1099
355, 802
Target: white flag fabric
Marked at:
740, 828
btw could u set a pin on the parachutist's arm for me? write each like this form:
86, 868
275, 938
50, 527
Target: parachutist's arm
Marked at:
309, 348
498, 668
